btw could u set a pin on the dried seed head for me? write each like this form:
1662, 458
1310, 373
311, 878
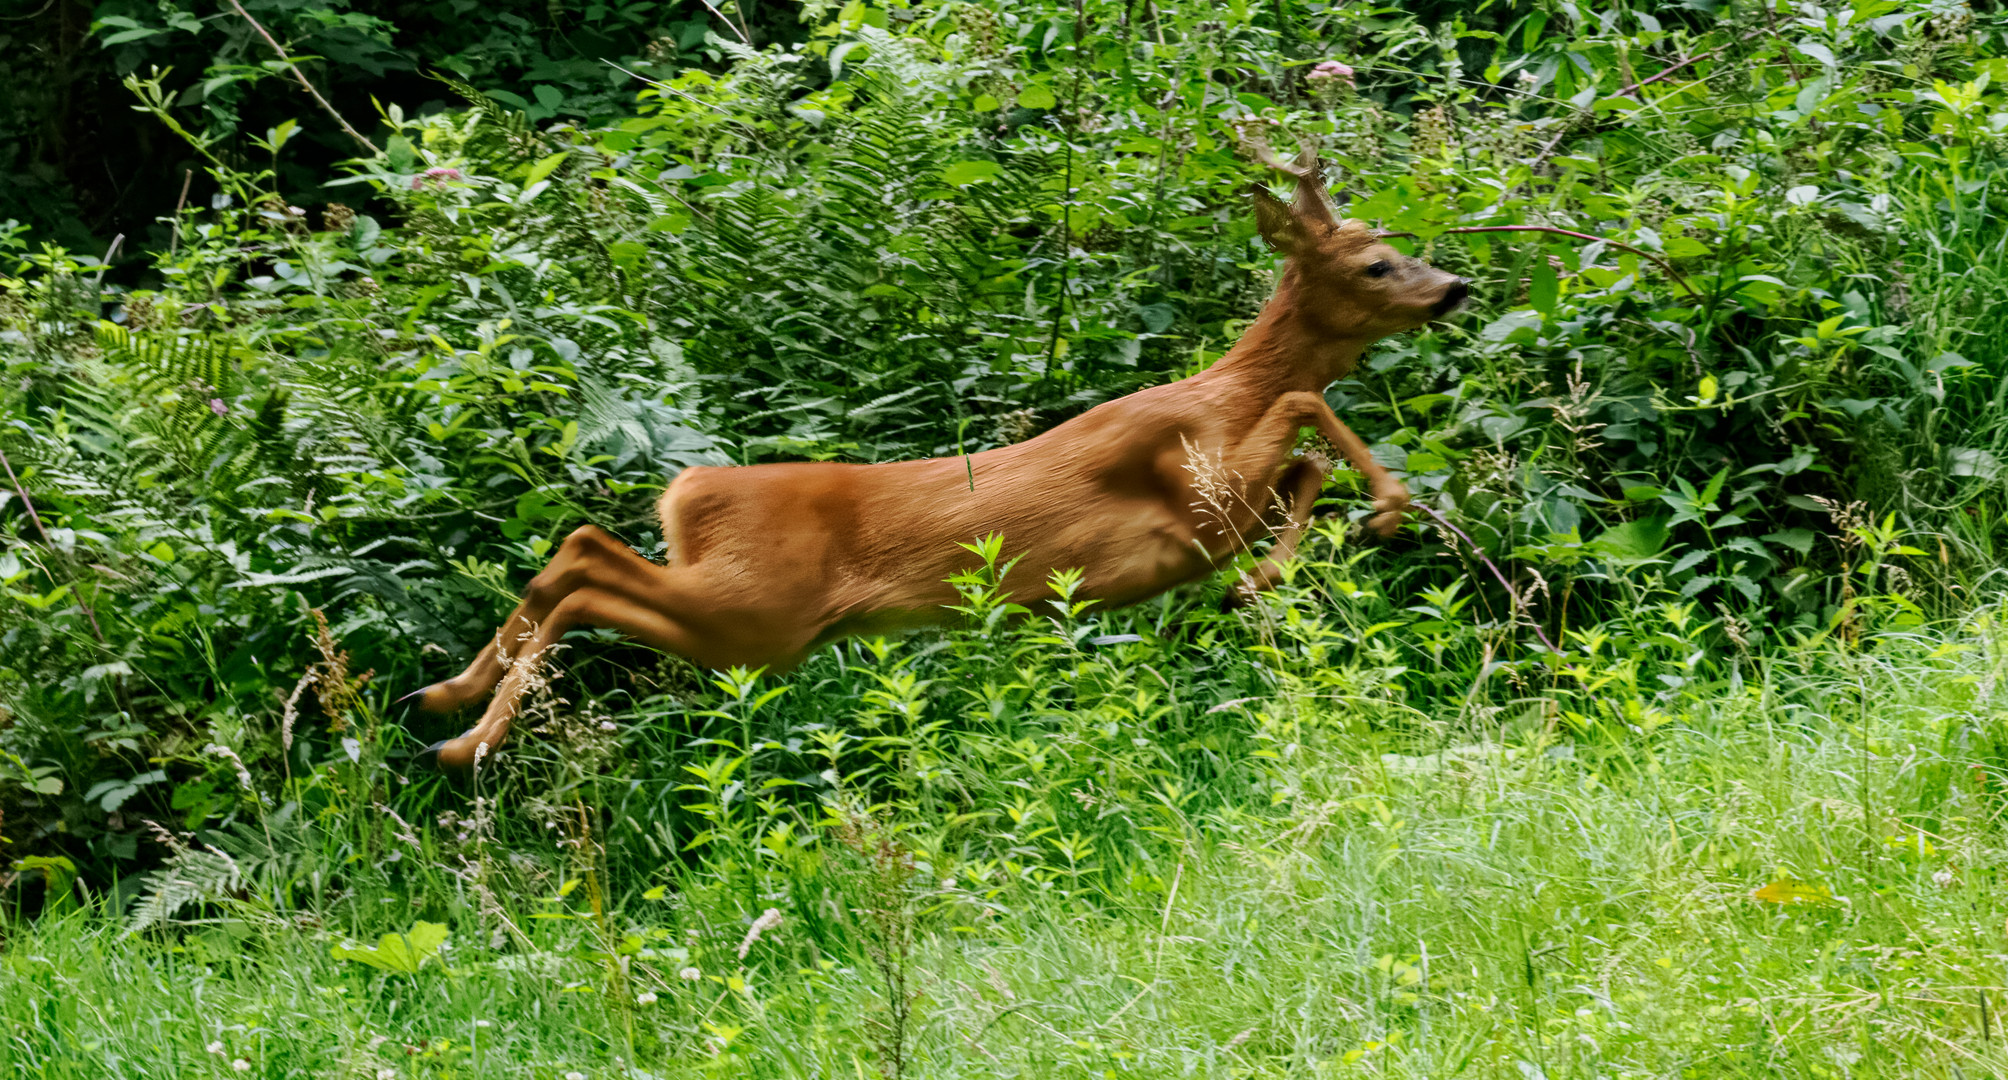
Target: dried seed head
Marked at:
768, 920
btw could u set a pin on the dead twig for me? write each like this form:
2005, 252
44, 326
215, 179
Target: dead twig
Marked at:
304, 84
174, 237
729, 24
110, 253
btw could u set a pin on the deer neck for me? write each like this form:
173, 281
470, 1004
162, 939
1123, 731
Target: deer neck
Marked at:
1287, 349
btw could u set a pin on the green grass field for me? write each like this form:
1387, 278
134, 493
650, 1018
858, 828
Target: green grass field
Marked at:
1789, 870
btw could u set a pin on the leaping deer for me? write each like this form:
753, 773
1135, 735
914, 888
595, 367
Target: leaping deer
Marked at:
768, 562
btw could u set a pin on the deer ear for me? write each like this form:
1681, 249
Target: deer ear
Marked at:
1281, 228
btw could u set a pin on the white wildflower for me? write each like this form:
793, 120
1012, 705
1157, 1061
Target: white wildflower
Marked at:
768, 920
215, 1047
1943, 879
645, 998
690, 974
240, 1065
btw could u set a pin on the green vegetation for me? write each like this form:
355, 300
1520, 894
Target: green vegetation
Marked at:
1677, 755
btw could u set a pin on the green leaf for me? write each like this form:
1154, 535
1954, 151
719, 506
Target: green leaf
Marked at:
1543, 287
398, 953
1641, 539
838, 54
1799, 540
124, 36
547, 166
1036, 96
965, 173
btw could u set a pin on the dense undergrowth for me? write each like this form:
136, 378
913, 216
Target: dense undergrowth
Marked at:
1790, 869
1736, 447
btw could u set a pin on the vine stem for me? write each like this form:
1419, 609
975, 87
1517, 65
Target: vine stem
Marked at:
1518, 605
294, 67
1656, 260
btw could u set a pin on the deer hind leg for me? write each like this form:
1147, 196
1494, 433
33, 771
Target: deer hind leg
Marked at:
687, 610
590, 553
1297, 491
637, 612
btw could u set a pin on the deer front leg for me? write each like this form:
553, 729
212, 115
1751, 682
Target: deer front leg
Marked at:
1390, 495
1272, 437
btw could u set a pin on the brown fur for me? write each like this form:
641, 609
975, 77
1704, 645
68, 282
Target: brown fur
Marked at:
768, 562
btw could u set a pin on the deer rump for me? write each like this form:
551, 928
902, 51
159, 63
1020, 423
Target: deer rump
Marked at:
1141, 494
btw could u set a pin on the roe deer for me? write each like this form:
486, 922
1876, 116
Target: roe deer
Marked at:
768, 562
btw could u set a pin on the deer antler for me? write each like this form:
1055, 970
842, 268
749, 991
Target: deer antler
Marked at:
1313, 202
1255, 139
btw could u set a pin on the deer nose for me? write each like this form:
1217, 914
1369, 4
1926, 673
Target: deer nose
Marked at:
1459, 291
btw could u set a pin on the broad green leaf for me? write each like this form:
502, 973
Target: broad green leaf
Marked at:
1543, 287
399, 953
1788, 891
1639, 539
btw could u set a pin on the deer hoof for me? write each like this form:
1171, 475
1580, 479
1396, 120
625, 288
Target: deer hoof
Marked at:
1384, 525
438, 757
434, 699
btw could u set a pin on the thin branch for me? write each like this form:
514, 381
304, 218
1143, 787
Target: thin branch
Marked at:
1511, 592
1632, 91
309, 87
110, 253
174, 237
734, 27
51, 544
1548, 150
1656, 260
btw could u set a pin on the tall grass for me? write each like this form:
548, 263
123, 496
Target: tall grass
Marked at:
1713, 865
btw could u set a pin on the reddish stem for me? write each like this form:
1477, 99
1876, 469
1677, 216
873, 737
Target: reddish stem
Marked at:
1496, 572
1656, 260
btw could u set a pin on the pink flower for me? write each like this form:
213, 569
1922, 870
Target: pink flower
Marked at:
1332, 69
437, 175
217, 406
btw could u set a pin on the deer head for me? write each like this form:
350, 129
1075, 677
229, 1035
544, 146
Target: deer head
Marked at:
1352, 284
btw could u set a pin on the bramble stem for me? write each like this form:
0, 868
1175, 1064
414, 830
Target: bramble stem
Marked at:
1656, 260
1496, 572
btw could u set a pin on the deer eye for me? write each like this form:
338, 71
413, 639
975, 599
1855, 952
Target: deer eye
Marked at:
1378, 269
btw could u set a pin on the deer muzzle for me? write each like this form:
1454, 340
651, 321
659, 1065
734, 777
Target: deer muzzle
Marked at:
1458, 292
